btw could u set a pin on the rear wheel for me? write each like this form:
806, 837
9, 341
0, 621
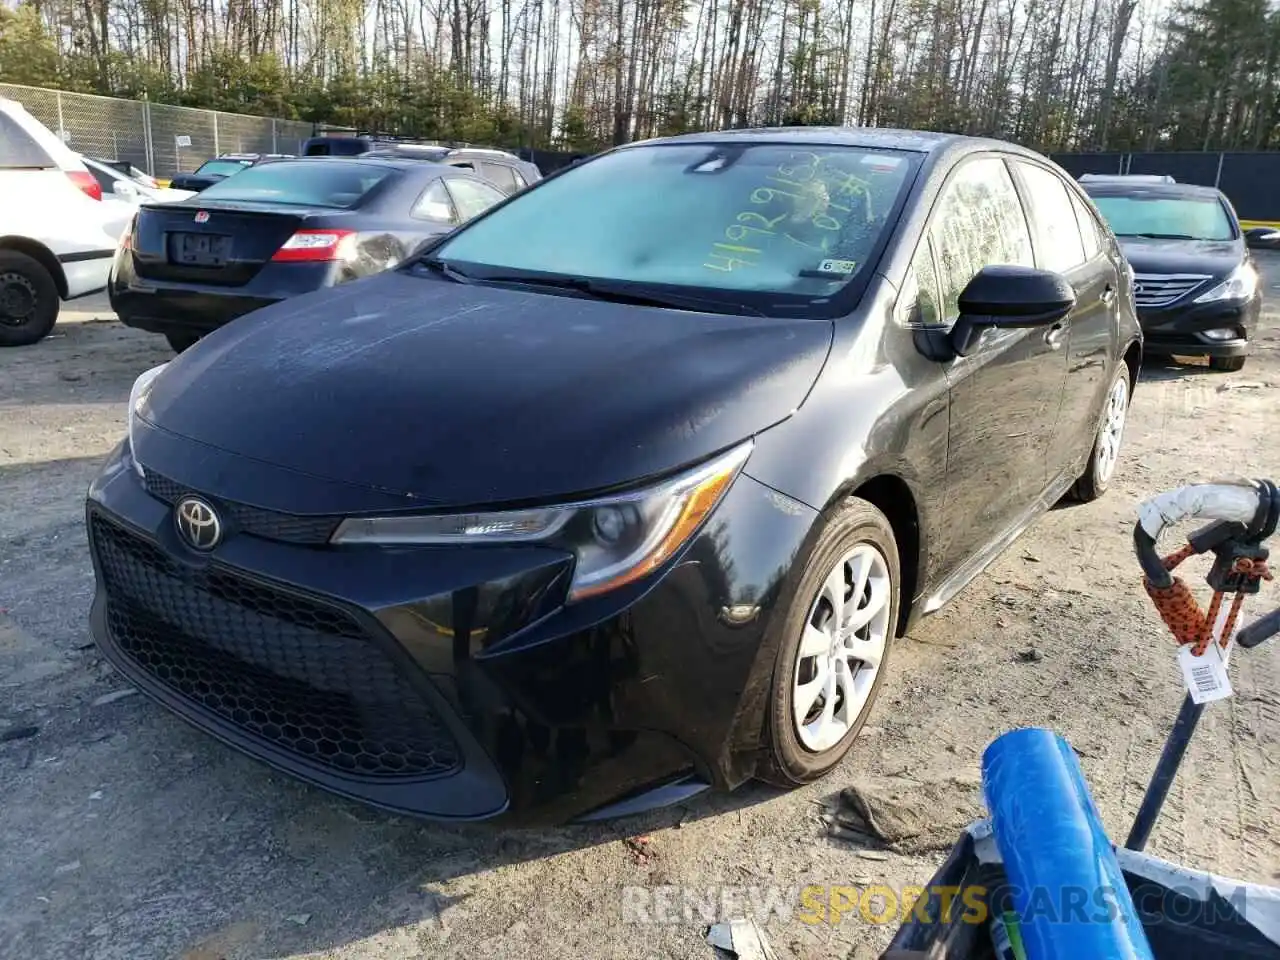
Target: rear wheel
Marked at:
1106, 443
832, 659
181, 341
1226, 364
28, 300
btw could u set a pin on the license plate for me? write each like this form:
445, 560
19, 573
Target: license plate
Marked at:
201, 250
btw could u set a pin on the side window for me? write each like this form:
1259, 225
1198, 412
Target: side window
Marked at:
434, 204
918, 303
1089, 235
473, 197
500, 174
977, 222
1058, 243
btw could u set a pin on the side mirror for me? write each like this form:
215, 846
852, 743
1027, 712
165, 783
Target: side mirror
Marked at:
1262, 238
1008, 297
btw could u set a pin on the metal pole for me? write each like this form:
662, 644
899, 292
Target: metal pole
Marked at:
62, 127
274, 147
1217, 177
216, 150
146, 130
1170, 759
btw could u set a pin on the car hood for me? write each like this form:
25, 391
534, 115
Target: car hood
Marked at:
452, 395
1212, 257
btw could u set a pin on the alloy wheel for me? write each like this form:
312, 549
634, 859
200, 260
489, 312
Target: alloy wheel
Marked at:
841, 648
1112, 430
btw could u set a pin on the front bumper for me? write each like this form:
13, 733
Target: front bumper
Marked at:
449, 684
1180, 328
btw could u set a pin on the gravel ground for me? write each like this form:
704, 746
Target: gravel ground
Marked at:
126, 834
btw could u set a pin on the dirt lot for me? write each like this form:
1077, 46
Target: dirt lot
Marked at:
125, 834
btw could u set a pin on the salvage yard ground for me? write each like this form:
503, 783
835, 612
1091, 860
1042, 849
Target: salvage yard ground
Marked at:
126, 835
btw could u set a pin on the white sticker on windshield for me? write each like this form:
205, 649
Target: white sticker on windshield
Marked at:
842, 267
878, 162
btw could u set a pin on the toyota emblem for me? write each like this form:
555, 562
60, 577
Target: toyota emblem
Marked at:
198, 524
202, 216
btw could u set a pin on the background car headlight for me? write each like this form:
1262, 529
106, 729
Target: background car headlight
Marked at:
137, 402
1241, 284
615, 539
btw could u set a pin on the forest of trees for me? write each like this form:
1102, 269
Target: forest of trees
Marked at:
581, 74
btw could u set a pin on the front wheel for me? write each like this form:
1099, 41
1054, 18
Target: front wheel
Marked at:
835, 650
1106, 443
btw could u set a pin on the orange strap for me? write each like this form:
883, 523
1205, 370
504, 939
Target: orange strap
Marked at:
1182, 614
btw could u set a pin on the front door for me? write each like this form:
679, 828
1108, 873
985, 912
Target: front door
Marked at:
1006, 393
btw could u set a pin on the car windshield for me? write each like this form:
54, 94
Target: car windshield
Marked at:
754, 222
222, 168
303, 183
1193, 218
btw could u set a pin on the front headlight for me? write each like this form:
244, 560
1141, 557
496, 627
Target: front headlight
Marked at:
1241, 284
137, 403
615, 539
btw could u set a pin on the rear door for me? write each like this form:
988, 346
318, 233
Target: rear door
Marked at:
1005, 394
1066, 240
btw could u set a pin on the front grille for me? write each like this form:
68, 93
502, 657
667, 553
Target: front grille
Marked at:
1160, 290
297, 673
268, 524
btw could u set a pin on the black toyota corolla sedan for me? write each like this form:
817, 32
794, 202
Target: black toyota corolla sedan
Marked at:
279, 229
625, 488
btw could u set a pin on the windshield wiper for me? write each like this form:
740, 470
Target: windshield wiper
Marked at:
436, 265
618, 293
1162, 236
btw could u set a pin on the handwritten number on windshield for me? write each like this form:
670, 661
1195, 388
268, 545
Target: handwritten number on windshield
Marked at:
808, 188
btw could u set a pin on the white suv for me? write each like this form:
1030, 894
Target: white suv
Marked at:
56, 241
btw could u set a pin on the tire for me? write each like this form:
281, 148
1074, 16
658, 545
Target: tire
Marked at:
1104, 455
181, 341
1227, 364
856, 536
29, 301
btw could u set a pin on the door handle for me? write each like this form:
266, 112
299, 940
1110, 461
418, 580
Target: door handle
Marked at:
1108, 294
1053, 336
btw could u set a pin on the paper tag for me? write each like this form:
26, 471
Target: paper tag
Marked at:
838, 266
1205, 675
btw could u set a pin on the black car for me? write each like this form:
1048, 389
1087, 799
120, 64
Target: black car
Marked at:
219, 168
278, 230
1194, 279
625, 488
507, 171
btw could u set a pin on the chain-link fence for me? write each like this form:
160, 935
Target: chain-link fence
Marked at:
155, 137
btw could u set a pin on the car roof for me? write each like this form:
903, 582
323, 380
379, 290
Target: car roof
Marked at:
1147, 188
396, 163
876, 138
